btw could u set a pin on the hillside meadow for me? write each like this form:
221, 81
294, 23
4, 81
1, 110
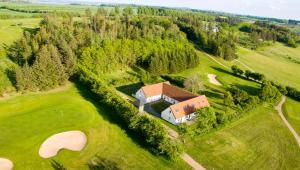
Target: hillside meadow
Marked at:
27, 120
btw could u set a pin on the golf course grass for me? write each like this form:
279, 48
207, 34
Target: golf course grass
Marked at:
278, 62
260, 140
27, 120
291, 110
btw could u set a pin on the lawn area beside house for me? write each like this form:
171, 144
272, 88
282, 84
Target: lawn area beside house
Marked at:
160, 106
259, 140
291, 110
27, 120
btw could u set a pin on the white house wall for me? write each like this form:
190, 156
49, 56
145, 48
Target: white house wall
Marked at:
168, 116
170, 100
140, 95
153, 99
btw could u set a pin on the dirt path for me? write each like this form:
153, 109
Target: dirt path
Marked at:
216, 61
245, 65
279, 109
213, 79
195, 165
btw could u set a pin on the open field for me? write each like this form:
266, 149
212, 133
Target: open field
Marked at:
260, 140
27, 120
291, 110
278, 62
12, 29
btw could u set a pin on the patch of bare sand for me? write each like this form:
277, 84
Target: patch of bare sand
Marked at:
213, 79
71, 140
6, 164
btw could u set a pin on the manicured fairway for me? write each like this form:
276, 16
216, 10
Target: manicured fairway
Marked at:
278, 62
260, 140
27, 120
291, 110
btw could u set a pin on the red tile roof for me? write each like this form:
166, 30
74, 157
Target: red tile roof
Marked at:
189, 106
188, 102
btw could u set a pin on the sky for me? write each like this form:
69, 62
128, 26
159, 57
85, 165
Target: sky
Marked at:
285, 9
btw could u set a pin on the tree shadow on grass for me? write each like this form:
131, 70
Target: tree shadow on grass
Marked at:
130, 89
108, 114
249, 89
32, 31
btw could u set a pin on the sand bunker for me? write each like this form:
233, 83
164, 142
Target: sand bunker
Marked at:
213, 80
5, 164
71, 140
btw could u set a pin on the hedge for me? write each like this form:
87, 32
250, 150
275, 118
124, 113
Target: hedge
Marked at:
152, 131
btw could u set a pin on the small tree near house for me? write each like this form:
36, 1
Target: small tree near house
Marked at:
194, 84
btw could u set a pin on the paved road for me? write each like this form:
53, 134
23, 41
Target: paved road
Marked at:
279, 109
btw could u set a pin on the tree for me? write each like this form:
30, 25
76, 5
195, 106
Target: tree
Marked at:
269, 92
236, 70
206, 119
228, 100
194, 84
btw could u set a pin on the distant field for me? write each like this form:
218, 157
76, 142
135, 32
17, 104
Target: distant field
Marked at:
278, 62
12, 29
291, 110
53, 7
27, 120
260, 140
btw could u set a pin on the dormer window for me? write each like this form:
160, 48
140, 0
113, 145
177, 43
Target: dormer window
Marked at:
177, 110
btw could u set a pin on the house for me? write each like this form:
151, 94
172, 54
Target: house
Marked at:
183, 104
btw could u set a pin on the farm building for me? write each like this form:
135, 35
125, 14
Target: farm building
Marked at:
183, 104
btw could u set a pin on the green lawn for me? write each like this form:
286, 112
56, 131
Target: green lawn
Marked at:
12, 29
27, 120
160, 106
259, 140
291, 110
278, 62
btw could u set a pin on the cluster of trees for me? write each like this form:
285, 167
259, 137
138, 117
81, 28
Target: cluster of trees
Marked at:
243, 100
150, 130
269, 32
248, 74
211, 39
46, 58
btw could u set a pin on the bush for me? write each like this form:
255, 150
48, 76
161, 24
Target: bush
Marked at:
269, 92
206, 119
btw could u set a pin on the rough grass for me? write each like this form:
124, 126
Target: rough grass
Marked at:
291, 110
260, 140
27, 120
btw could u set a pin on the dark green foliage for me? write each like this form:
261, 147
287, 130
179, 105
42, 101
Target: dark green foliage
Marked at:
269, 32
100, 163
269, 92
294, 93
243, 100
218, 43
206, 119
57, 166
236, 70
150, 130
228, 100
